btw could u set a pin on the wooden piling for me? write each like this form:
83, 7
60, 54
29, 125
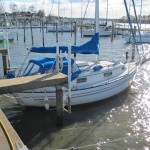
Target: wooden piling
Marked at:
59, 105
17, 29
56, 32
71, 28
75, 33
31, 32
115, 30
112, 34
43, 33
24, 31
81, 29
133, 46
4, 53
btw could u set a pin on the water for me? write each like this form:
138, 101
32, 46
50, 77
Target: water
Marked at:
120, 122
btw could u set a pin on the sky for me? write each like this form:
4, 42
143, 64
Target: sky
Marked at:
116, 8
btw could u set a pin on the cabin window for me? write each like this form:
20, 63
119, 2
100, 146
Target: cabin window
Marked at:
31, 69
81, 80
107, 74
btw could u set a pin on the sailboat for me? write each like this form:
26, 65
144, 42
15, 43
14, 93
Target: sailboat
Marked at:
104, 30
90, 81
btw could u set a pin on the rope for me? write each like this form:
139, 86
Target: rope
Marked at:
51, 7
85, 11
98, 144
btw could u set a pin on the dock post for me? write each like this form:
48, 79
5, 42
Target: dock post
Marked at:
5, 60
112, 34
24, 30
75, 33
59, 105
5, 63
81, 29
43, 33
31, 31
115, 30
71, 27
133, 46
17, 29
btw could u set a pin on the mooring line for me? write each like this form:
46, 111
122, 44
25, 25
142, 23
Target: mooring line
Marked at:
97, 144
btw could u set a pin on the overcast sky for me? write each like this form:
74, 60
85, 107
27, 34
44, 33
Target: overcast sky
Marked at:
116, 8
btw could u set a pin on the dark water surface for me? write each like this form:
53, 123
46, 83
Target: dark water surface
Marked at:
121, 122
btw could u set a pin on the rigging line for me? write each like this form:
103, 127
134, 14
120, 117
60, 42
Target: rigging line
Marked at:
137, 24
85, 11
107, 13
6, 16
51, 7
131, 28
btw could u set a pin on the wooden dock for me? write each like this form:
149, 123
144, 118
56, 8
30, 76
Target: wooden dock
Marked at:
31, 82
9, 139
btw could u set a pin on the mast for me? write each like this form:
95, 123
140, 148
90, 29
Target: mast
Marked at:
97, 16
107, 13
141, 15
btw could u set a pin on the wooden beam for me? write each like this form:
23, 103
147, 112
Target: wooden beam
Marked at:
9, 139
59, 105
31, 82
3, 51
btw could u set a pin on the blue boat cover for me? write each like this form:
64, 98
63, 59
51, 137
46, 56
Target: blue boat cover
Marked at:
91, 47
46, 64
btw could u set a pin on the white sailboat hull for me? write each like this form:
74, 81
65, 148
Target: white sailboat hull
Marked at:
64, 28
102, 33
94, 93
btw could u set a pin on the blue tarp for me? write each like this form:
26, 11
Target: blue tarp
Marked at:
46, 64
90, 47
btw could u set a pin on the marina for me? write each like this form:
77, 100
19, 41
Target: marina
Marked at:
65, 91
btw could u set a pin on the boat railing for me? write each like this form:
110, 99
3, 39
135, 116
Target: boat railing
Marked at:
69, 69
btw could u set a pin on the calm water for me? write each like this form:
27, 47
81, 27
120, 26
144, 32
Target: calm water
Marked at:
121, 122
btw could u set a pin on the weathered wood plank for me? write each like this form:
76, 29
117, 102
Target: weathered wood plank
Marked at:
31, 82
3, 51
11, 133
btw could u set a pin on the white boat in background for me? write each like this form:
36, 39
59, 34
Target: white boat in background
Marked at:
60, 28
3, 36
90, 81
103, 32
145, 38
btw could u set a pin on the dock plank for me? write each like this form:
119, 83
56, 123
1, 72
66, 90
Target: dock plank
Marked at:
3, 51
31, 82
4, 145
15, 139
